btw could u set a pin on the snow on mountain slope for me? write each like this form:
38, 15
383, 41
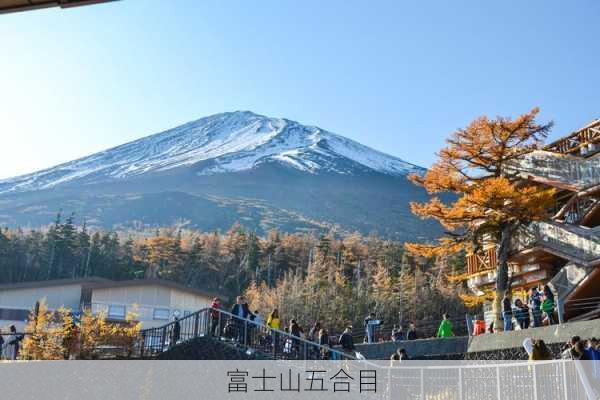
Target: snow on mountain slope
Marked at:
228, 142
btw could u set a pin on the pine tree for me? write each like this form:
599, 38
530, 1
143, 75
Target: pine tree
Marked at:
489, 201
252, 255
43, 340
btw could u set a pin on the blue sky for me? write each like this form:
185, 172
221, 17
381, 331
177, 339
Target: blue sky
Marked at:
397, 76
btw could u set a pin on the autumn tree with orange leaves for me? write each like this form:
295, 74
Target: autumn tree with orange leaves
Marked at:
491, 203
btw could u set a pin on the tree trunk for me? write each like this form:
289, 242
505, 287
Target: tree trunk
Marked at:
502, 282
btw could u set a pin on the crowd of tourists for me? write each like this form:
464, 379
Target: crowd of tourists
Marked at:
575, 349
534, 311
252, 328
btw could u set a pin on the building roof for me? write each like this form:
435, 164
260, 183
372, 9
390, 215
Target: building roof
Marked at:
103, 283
53, 282
7, 6
154, 282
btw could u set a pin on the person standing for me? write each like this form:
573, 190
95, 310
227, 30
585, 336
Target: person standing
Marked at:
535, 303
548, 305
567, 352
397, 334
591, 349
176, 332
274, 323
507, 312
240, 309
313, 336
578, 352
296, 330
522, 314
215, 328
346, 340
11, 344
540, 351
258, 319
240, 312
411, 334
324, 342
313, 333
445, 329
255, 328
370, 324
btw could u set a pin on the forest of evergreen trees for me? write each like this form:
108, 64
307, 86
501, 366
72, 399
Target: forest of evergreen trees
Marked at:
308, 277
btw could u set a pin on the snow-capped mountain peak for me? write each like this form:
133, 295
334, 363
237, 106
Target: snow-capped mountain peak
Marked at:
227, 142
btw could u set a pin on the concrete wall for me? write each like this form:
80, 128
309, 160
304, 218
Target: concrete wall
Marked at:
484, 343
550, 334
415, 348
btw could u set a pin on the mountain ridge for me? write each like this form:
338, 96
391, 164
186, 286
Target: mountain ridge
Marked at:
207, 174
225, 142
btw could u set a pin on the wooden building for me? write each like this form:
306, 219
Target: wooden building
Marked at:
564, 250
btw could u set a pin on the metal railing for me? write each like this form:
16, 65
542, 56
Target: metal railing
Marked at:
575, 242
555, 379
425, 329
230, 329
572, 171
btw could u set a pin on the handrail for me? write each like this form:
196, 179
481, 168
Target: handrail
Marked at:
583, 246
560, 170
280, 332
202, 323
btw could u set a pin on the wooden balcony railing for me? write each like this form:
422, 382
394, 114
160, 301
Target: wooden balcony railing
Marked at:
583, 142
481, 261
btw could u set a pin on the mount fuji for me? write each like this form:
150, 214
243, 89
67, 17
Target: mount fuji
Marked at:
232, 167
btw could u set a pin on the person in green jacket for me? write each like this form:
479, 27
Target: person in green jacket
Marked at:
548, 305
445, 329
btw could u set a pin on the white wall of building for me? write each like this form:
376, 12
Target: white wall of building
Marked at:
67, 296
56, 297
153, 305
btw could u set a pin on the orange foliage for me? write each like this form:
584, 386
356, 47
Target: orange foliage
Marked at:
471, 165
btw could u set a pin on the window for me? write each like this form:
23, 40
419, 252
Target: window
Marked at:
116, 312
186, 313
98, 308
161, 314
13, 315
